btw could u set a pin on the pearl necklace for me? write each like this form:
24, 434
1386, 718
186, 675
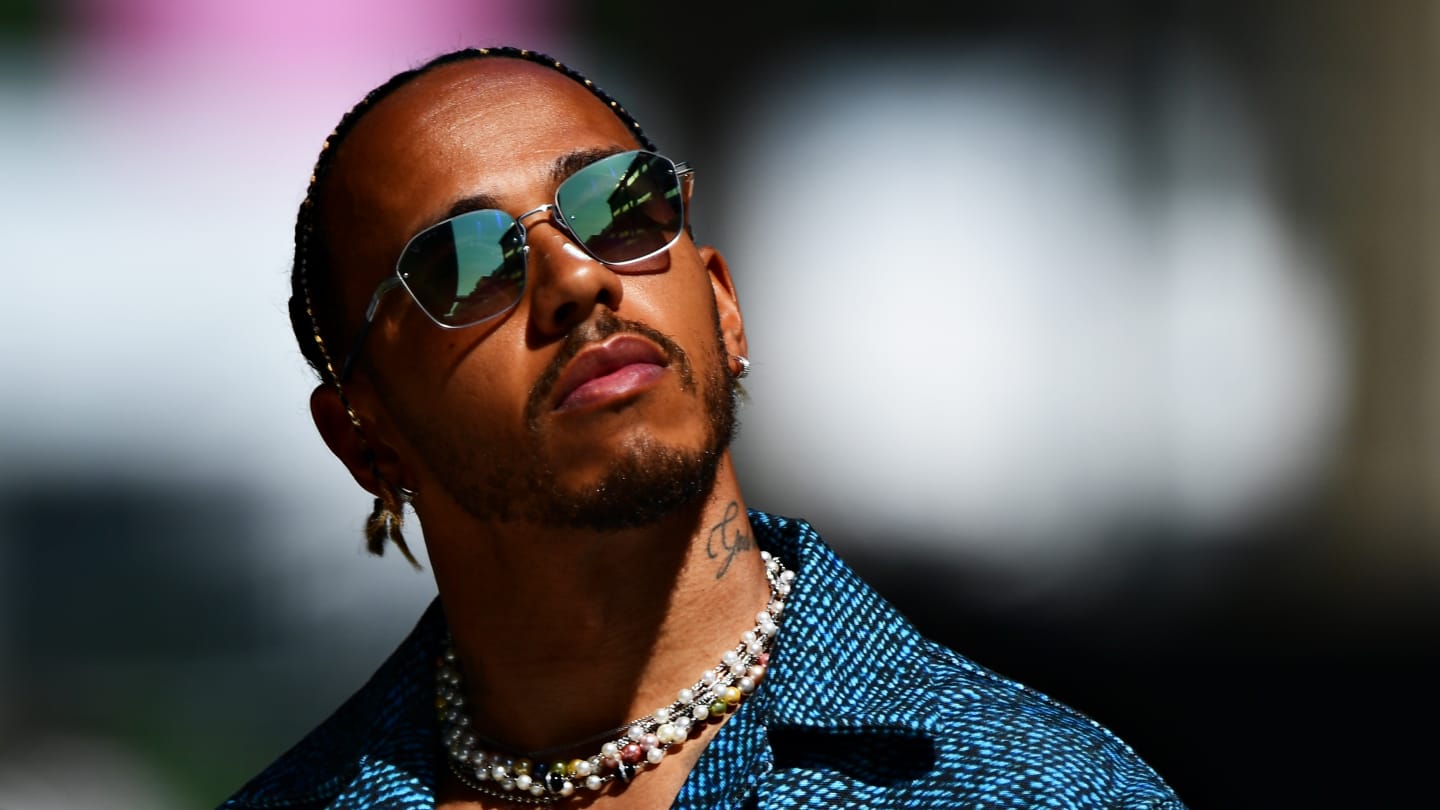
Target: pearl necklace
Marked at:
644, 742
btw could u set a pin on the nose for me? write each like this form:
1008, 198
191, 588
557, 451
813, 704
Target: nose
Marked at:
566, 283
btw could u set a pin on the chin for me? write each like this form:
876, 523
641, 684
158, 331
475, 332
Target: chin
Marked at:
645, 484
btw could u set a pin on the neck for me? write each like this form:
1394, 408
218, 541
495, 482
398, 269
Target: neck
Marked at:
563, 634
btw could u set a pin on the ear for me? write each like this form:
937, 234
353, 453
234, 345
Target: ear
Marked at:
359, 447
727, 304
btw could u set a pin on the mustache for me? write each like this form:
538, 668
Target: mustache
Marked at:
593, 331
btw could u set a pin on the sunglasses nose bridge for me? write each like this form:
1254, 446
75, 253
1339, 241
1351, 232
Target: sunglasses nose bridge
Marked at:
540, 209
558, 222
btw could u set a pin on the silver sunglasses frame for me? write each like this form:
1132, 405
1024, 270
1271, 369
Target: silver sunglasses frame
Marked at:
684, 177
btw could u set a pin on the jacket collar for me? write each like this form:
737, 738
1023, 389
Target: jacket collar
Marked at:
845, 660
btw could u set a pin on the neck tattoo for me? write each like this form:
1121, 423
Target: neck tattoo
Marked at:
729, 535
524, 778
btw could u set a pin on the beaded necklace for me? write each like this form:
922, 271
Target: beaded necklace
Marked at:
524, 779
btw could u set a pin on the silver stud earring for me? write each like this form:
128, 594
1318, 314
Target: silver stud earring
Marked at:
744, 366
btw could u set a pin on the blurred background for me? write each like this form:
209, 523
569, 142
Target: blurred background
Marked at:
1100, 338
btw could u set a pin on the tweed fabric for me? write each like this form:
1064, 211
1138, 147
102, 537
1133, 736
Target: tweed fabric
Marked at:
857, 710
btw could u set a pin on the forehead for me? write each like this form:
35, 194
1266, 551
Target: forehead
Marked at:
491, 126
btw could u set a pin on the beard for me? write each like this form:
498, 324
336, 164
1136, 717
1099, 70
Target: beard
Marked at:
647, 480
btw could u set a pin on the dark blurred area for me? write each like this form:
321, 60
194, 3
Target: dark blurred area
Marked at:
184, 595
1285, 663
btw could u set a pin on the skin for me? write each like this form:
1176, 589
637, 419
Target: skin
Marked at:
562, 632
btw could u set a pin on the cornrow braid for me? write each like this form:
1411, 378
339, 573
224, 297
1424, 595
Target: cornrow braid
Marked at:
314, 308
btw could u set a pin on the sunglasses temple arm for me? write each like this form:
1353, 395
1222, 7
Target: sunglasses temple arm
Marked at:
385, 286
685, 175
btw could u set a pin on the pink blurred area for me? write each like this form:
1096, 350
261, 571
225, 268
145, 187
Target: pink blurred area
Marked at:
147, 80
288, 46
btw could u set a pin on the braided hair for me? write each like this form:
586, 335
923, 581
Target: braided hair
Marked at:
315, 312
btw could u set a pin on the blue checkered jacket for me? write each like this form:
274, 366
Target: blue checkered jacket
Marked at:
857, 710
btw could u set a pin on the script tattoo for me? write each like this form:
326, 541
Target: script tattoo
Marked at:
730, 537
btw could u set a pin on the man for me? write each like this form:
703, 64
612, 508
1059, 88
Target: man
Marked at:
547, 374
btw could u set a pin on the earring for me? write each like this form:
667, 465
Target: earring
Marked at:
385, 522
744, 366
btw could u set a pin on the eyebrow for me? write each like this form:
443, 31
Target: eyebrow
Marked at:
563, 167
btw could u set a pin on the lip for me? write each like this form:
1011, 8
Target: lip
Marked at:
608, 371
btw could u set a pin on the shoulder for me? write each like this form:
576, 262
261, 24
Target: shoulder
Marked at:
862, 702
374, 751
1009, 745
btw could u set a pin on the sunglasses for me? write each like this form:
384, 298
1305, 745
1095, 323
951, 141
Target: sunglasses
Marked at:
621, 210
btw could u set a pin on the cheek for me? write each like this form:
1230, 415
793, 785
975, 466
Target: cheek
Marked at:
490, 395
703, 333
438, 358
461, 381
684, 311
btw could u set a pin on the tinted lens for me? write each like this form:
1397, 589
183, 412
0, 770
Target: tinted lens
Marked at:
466, 269
623, 207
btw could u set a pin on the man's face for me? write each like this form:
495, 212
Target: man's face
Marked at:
492, 413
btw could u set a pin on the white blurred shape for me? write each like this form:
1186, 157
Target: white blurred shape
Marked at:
1255, 349
976, 316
